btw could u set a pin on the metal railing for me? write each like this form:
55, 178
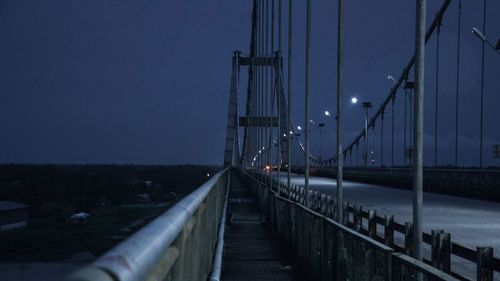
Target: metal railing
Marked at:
327, 250
178, 245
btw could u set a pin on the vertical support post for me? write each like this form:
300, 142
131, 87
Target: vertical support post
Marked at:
373, 145
231, 115
389, 230
482, 91
340, 102
441, 250
418, 129
436, 113
278, 89
484, 270
357, 217
344, 219
366, 138
289, 111
307, 102
382, 140
279, 25
392, 132
372, 223
409, 233
457, 80
404, 128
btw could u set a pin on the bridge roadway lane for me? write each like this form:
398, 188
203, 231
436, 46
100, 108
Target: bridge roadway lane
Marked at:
471, 222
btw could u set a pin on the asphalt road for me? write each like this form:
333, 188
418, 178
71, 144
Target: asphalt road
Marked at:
470, 222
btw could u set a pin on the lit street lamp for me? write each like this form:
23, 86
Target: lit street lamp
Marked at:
366, 106
481, 36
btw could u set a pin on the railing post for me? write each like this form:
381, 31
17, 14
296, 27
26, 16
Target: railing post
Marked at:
372, 223
408, 238
389, 230
323, 206
484, 268
441, 250
357, 217
345, 213
388, 266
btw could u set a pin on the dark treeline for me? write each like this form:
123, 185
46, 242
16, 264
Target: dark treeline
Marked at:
82, 186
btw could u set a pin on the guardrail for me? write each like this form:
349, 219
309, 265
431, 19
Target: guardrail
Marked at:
443, 250
327, 250
177, 245
366, 222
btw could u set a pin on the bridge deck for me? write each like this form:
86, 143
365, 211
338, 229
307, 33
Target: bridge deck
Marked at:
251, 251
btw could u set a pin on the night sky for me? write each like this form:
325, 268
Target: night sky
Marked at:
147, 82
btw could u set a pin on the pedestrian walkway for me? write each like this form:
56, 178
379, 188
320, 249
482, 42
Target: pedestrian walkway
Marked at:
251, 251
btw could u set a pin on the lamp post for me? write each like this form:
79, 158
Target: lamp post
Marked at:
297, 135
328, 114
366, 106
482, 37
320, 127
299, 129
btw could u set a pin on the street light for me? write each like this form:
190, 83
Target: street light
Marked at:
328, 114
481, 36
297, 135
366, 106
321, 125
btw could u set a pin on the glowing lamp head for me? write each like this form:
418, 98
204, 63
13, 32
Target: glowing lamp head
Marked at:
354, 100
478, 33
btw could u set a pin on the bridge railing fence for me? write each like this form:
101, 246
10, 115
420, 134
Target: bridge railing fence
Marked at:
297, 225
177, 245
442, 249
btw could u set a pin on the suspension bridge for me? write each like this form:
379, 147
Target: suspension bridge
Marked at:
380, 207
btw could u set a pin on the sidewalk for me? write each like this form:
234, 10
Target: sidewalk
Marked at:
251, 251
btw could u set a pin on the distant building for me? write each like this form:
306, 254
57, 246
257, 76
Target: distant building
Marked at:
13, 215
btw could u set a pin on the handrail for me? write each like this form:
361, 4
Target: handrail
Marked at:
219, 251
429, 271
156, 249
